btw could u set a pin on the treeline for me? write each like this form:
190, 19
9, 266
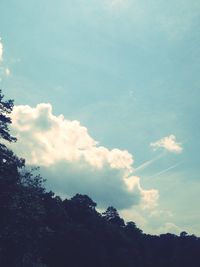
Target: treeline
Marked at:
39, 229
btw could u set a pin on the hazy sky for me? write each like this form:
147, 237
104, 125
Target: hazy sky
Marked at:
124, 74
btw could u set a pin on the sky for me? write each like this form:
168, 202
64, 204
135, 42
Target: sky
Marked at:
107, 102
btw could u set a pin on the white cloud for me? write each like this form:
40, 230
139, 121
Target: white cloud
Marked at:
169, 143
74, 162
1, 51
4, 71
59, 139
148, 197
135, 216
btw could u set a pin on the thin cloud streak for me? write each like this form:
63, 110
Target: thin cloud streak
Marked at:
166, 170
147, 163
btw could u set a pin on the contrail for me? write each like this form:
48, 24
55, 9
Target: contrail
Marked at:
166, 170
145, 164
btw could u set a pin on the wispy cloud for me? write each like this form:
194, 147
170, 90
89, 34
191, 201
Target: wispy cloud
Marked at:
167, 169
169, 143
147, 163
4, 71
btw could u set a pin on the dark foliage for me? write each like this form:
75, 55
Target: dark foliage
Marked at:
5, 110
39, 229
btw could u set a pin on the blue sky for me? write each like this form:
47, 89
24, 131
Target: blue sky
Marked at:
128, 71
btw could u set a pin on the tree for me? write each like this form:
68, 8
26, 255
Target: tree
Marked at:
9, 163
132, 229
6, 108
183, 234
112, 216
84, 200
21, 206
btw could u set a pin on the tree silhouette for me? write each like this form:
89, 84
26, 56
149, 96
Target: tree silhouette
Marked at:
112, 216
6, 108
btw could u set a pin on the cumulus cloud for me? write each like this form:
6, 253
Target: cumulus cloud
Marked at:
148, 197
169, 143
74, 162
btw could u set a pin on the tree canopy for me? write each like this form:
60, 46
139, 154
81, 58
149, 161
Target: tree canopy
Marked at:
6, 107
